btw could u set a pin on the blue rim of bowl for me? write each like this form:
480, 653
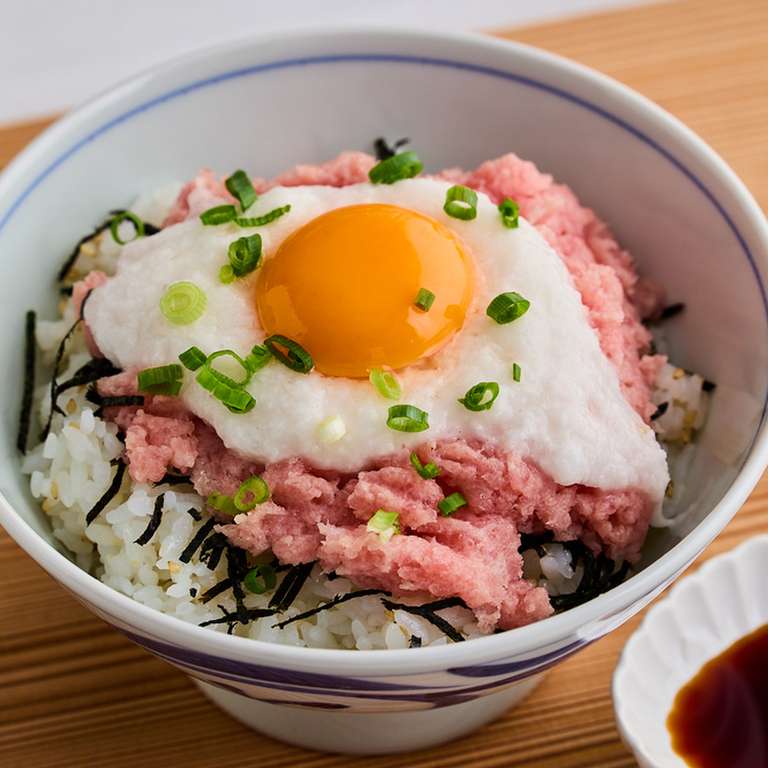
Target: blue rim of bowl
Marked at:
446, 63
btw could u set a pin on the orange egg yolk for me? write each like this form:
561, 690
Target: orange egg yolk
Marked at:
343, 286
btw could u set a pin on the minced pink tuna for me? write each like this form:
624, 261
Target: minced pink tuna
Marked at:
322, 516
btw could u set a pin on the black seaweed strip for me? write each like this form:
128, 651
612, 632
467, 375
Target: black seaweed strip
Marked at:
92, 371
660, 411
428, 612
195, 514
414, 642
92, 396
56, 363
212, 550
216, 589
290, 586
197, 540
154, 522
671, 310
239, 616
25, 415
383, 151
171, 478
237, 567
109, 494
708, 386
330, 604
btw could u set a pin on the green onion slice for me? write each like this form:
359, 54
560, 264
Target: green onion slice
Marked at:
245, 254
257, 358
480, 397
251, 492
239, 186
386, 384
385, 523
517, 372
260, 579
260, 221
227, 390
219, 214
222, 502
290, 353
510, 213
451, 503
331, 430
227, 274
507, 307
461, 203
193, 358
183, 303
424, 299
427, 471
138, 225
162, 380
406, 165
407, 418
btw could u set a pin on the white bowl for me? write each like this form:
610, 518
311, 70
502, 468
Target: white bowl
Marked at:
271, 103
703, 615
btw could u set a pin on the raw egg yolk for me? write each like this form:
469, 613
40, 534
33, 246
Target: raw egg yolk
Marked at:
343, 286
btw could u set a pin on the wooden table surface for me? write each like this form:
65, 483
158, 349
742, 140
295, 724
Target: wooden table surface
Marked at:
75, 693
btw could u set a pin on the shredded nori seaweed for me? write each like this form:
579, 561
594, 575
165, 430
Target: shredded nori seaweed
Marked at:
330, 604
660, 411
154, 522
290, 586
102, 402
27, 397
671, 311
212, 549
238, 616
428, 611
109, 494
384, 151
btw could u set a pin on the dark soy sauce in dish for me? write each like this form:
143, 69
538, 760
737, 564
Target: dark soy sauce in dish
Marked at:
720, 718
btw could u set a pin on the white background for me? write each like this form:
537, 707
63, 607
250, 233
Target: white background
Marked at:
54, 54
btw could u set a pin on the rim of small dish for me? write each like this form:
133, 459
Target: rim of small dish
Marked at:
465, 51
642, 699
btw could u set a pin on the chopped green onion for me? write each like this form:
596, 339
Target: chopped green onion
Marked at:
461, 203
238, 360
227, 274
183, 303
295, 356
331, 430
507, 307
161, 380
386, 524
451, 503
193, 358
424, 299
510, 213
260, 579
223, 388
251, 492
477, 397
223, 503
386, 384
517, 372
406, 165
239, 185
257, 358
245, 254
219, 214
427, 471
260, 221
119, 219
407, 418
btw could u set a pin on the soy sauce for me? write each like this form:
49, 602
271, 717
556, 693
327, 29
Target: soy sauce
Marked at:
720, 718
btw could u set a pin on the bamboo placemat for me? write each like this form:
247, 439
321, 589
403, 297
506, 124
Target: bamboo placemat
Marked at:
75, 693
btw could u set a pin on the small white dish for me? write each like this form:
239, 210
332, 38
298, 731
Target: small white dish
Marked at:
703, 615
